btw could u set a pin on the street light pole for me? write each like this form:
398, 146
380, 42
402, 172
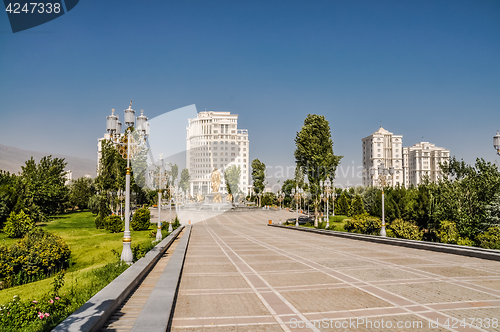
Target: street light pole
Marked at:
496, 143
113, 126
158, 227
383, 178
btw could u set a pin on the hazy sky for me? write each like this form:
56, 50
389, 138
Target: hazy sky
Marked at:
429, 70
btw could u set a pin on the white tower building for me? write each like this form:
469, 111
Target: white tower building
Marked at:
423, 159
214, 141
382, 147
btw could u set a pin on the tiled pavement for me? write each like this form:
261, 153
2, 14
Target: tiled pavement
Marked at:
240, 275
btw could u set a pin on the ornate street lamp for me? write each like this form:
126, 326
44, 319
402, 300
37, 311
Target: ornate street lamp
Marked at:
128, 147
384, 175
295, 193
496, 142
158, 226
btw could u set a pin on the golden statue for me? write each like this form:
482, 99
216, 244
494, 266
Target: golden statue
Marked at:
215, 183
229, 198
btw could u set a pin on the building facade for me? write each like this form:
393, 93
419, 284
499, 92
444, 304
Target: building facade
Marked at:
382, 147
215, 142
423, 160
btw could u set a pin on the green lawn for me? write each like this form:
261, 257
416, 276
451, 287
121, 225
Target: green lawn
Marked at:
90, 248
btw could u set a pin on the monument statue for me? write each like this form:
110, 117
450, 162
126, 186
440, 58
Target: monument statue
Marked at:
215, 183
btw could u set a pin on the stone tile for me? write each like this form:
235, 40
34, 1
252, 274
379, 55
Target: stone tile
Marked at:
455, 271
279, 266
381, 274
219, 305
296, 279
332, 300
475, 314
208, 268
235, 328
436, 292
213, 282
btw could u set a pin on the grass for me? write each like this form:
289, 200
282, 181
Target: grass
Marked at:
336, 223
90, 248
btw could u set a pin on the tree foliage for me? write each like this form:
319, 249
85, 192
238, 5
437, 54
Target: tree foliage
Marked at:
18, 224
141, 219
184, 182
342, 205
232, 178
258, 176
80, 192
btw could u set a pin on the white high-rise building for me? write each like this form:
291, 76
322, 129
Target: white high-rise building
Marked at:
382, 147
215, 142
423, 159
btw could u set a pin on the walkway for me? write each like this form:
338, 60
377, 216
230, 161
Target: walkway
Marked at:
240, 275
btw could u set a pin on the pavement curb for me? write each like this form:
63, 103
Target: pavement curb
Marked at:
489, 254
92, 315
157, 313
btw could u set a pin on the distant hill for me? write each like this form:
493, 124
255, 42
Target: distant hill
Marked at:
11, 159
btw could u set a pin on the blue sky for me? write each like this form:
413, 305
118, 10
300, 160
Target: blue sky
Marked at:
426, 69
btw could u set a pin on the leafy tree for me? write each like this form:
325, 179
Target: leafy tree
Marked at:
258, 176
369, 199
268, 199
8, 195
41, 187
492, 213
18, 224
232, 177
342, 205
287, 187
356, 207
314, 153
299, 176
81, 191
175, 172
184, 182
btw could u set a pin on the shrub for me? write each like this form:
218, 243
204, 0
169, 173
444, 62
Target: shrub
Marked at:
141, 219
114, 224
447, 232
43, 314
364, 224
490, 239
99, 222
176, 223
141, 249
405, 230
37, 255
18, 224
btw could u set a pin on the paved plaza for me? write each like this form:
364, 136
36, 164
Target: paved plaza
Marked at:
241, 275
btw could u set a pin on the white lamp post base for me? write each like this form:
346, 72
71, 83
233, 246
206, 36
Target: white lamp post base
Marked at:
127, 256
170, 229
382, 231
158, 233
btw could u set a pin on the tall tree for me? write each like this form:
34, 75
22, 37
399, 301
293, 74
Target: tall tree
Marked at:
356, 207
258, 176
314, 154
299, 176
43, 186
342, 205
232, 177
80, 192
184, 181
175, 172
